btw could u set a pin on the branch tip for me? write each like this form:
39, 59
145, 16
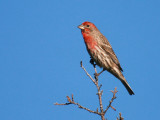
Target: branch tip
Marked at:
72, 98
69, 100
113, 108
81, 63
97, 110
120, 117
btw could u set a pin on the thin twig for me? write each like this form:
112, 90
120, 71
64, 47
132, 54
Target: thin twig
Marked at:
80, 106
110, 102
62, 103
87, 73
120, 117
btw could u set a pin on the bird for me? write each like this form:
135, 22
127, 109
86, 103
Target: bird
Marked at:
101, 52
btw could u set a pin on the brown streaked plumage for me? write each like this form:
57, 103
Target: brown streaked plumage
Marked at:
102, 53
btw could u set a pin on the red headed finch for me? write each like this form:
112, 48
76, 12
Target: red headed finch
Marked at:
101, 52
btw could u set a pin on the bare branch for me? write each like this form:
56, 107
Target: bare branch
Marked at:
80, 106
62, 103
96, 112
99, 111
87, 73
72, 98
110, 102
120, 117
99, 92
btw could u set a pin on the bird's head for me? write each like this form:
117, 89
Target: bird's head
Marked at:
87, 27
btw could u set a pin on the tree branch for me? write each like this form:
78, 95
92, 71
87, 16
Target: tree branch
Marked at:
99, 91
95, 81
87, 73
110, 102
80, 106
120, 117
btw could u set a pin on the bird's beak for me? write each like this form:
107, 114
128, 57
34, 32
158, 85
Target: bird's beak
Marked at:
81, 27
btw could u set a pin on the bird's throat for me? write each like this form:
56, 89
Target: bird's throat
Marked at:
89, 41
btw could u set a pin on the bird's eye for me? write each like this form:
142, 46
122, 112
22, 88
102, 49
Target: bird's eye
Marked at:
87, 25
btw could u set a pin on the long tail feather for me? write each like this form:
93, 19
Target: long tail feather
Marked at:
117, 73
129, 89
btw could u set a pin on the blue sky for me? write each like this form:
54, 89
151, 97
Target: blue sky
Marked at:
41, 49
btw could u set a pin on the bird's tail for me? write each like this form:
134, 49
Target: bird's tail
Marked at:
129, 89
117, 73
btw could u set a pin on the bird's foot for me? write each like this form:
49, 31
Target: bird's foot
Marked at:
92, 62
97, 74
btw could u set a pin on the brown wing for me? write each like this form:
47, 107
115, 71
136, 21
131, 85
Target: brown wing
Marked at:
108, 49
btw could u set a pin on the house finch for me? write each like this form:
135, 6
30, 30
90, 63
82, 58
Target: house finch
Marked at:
102, 53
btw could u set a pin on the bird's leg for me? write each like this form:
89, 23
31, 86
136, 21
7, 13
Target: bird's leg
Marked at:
97, 74
92, 62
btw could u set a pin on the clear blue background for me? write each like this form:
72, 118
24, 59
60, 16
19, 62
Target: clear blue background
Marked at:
41, 49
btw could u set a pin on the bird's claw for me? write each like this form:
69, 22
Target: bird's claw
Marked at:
92, 62
96, 74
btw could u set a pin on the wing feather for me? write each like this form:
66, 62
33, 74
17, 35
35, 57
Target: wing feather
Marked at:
108, 49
